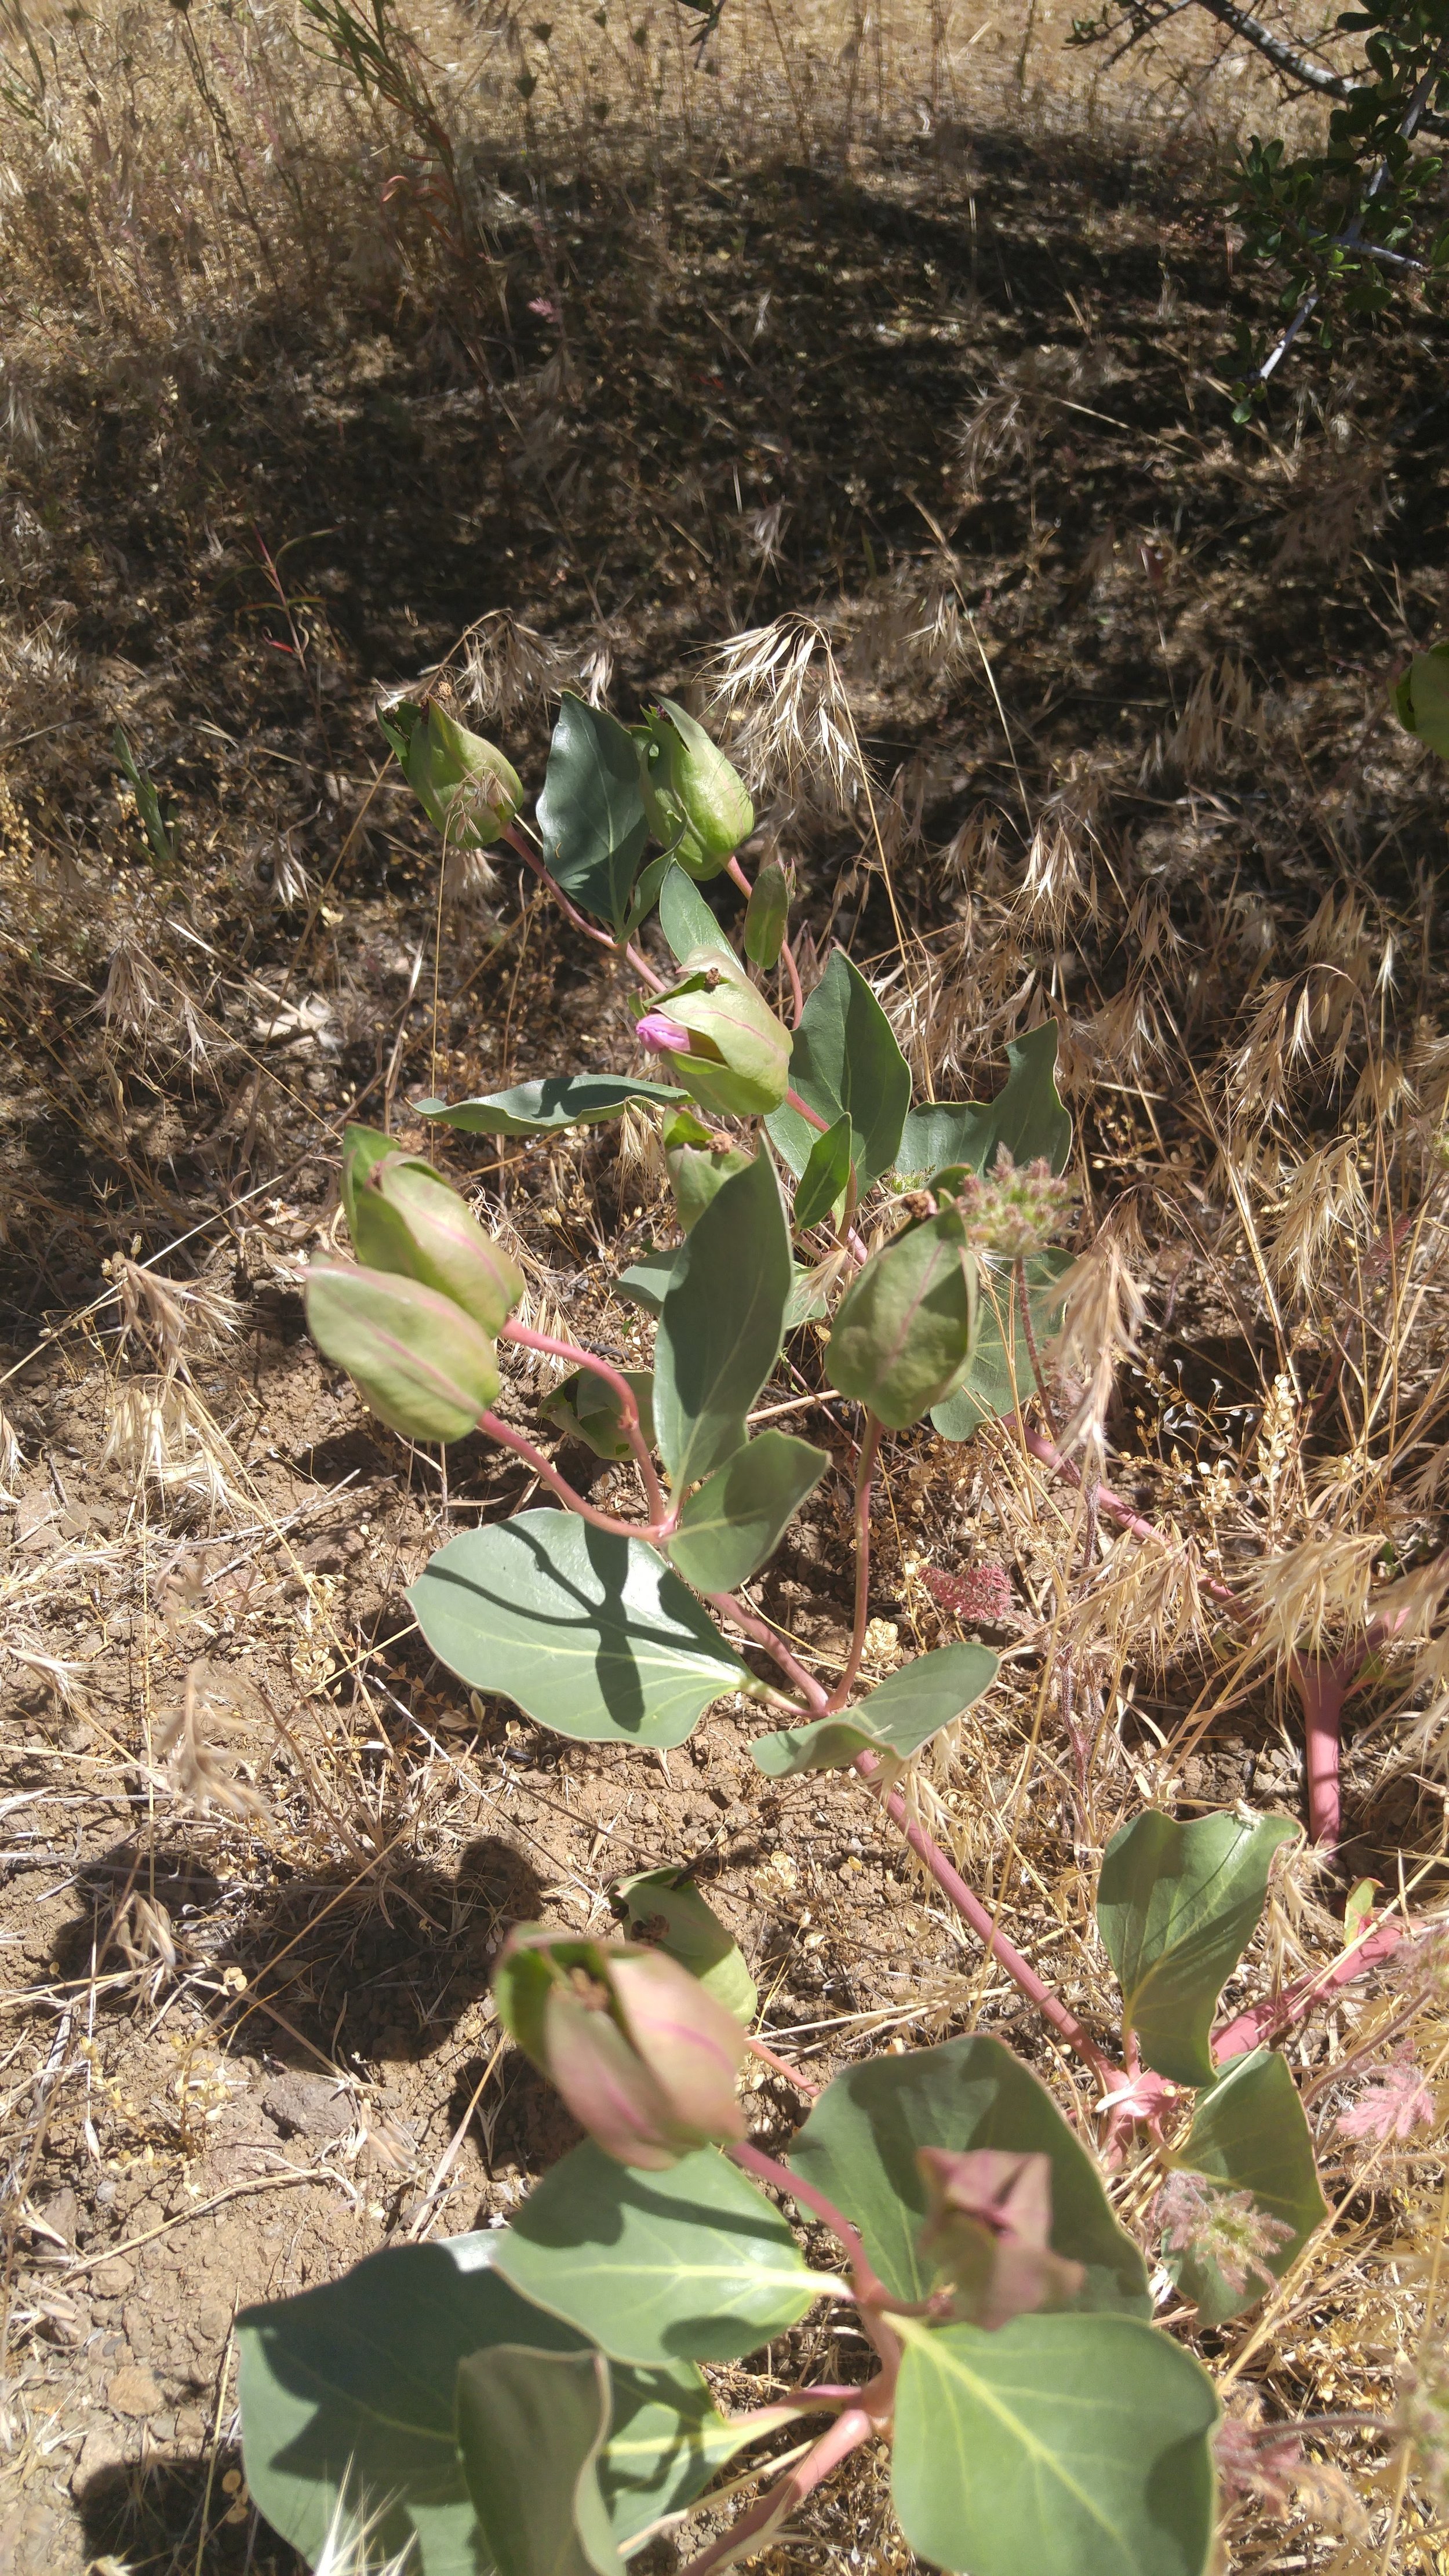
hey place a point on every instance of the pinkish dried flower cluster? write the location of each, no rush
(981, 1596)
(1229, 2229)
(1256, 2465)
(1013, 1210)
(1394, 2102)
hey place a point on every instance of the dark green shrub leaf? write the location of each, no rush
(898, 1716)
(588, 1633)
(351, 2387)
(542, 1108)
(1026, 1117)
(738, 1516)
(1176, 1906)
(767, 915)
(827, 1170)
(859, 2147)
(845, 1057)
(901, 1338)
(721, 1324)
(1249, 2134)
(1421, 700)
(591, 813)
(690, 2264)
(1059, 2445)
(665, 1907)
(586, 1406)
(685, 918)
(647, 1283)
(530, 2428)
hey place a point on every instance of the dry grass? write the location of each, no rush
(870, 384)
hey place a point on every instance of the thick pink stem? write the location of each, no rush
(1048, 1454)
(1322, 1688)
(1272, 2019)
(803, 1110)
(953, 1885)
(508, 1438)
(571, 912)
(864, 2279)
(763, 1635)
(846, 2434)
(624, 1397)
(792, 2074)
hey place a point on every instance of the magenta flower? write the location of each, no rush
(661, 1035)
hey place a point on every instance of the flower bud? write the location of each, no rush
(427, 1368)
(463, 783)
(988, 2231)
(667, 819)
(736, 1055)
(711, 793)
(405, 1217)
(643, 2057)
(363, 1148)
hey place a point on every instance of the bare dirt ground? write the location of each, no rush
(1118, 674)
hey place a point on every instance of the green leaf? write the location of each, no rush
(721, 1324)
(647, 1283)
(1000, 1376)
(902, 1335)
(530, 2427)
(586, 1406)
(591, 813)
(1026, 1117)
(1250, 2132)
(542, 1108)
(845, 1057)
(148, 804)
(767, 915)
(859, 2147)
(738, 1516)
(898, 1717)
(827, 1170)
(689, 2264)
(588, 1633)
(351, 2387)
(1056, 2446)
(665, 1906)
(685, 918)
(1176, 1906)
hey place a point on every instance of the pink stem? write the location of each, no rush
(846, 2434)
(547, 1475)
(1271, 2019)
(865, 2280)
(590, 929)
(624, 1396)
(953, 1885)
(763, 1635)
(1322, 1688)
(803, 1110)
(864, 1477)
(792, 2074)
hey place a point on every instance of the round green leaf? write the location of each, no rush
(1056, 2446)
(1176, 1906)
(898, 1717)
(692, 2263)
(1250, 2133)
(859, 2147)
(350, 2388)
(736, 1519)
(589, 1634)
(1422, 698)
(902, 1335)
(591, 813)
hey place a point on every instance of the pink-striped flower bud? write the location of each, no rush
(661, 1035)
(645, 2059)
